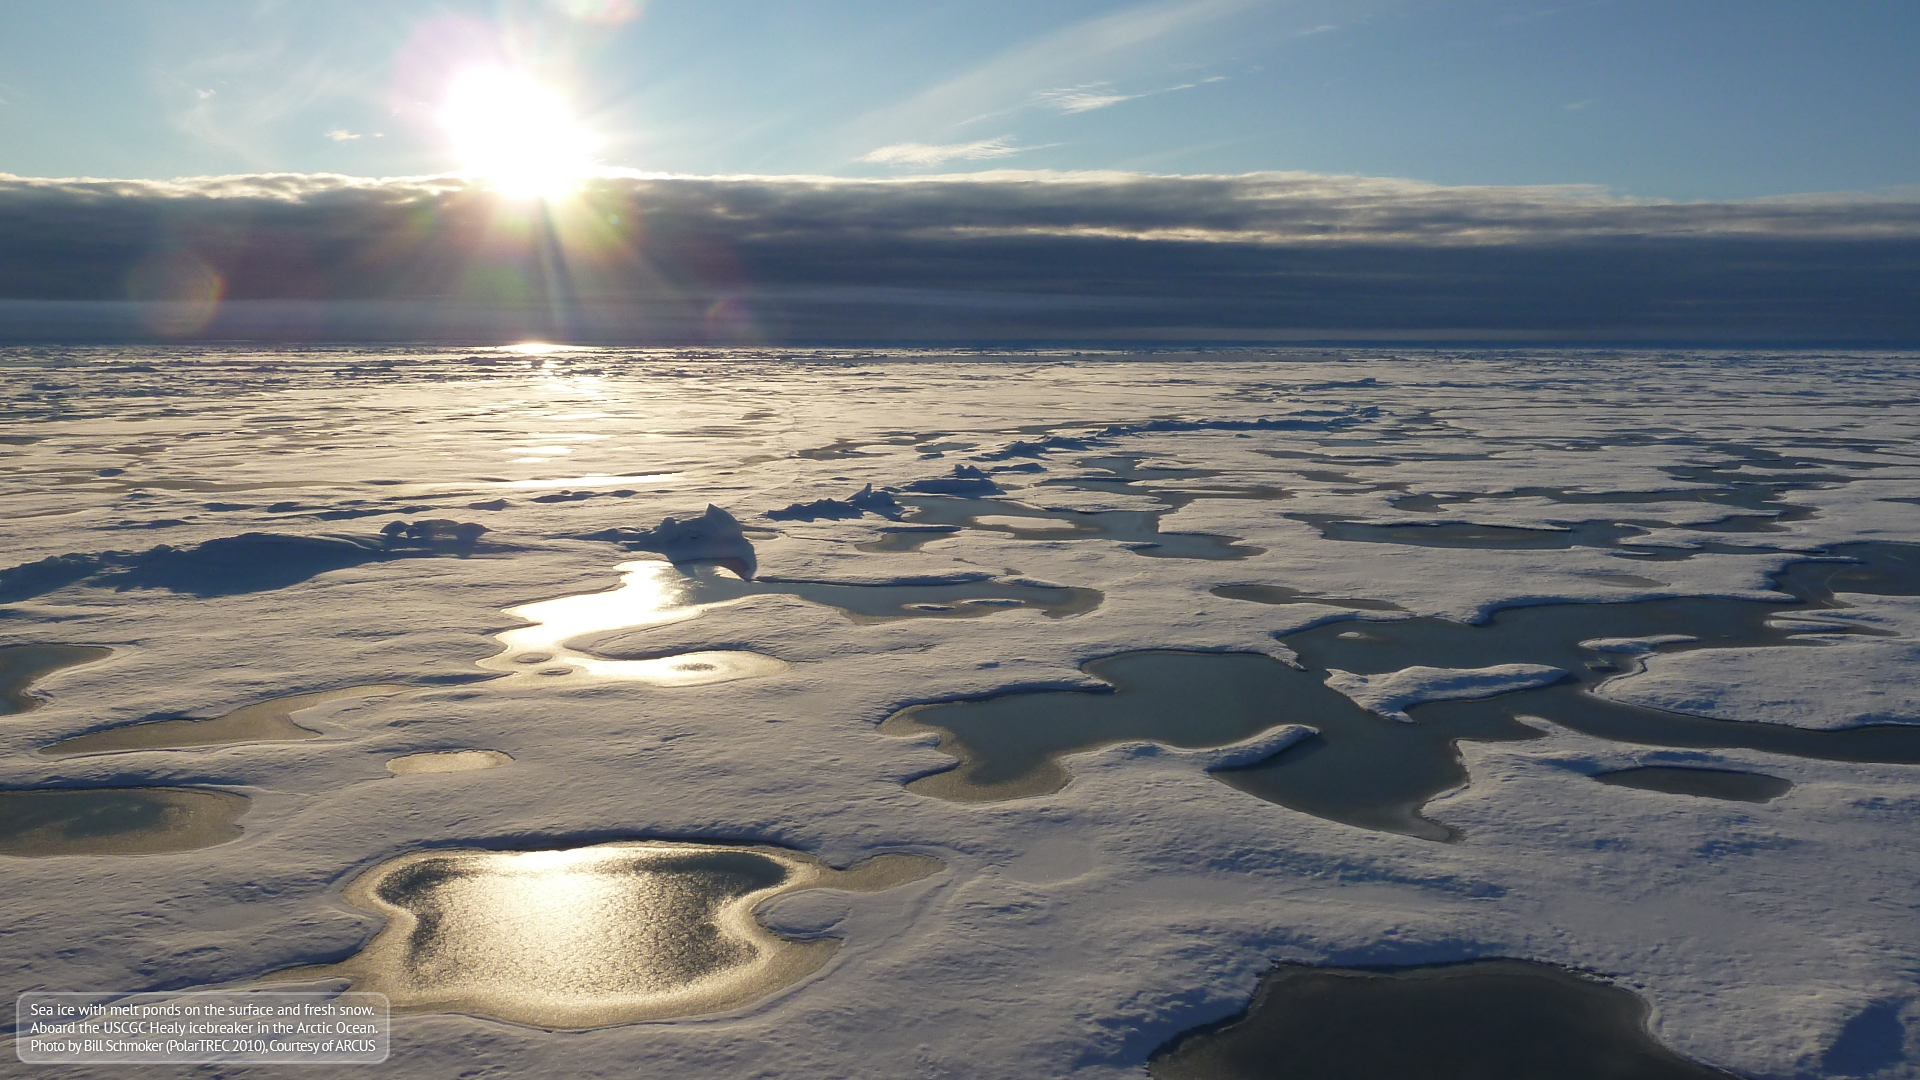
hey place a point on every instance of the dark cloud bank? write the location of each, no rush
(991, 258)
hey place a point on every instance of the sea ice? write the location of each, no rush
(1562, 497)
(715, 536)
(1391, 693)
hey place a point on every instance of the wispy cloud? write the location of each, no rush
(343, 135)
(924, 154)
(1071, 57)
(238, 86)
(1079, 99)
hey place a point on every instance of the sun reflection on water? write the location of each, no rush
(586, 937)
(576, 928)
(650, 594)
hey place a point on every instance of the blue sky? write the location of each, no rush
(1702, 99)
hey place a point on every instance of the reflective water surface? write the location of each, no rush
(1138, 530)
(1485, 1020)
(21, 665)
(1701, 783)
(591, 936)
(1564, 636)
(1279, 594)
(1358, 769)
(1009, 746)
(559, 641)
(1374, 773)
(116, 821)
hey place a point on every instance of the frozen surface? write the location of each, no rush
(1390, 694)
(1850, 682)
(242, 527)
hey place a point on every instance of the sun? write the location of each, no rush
(516, 133)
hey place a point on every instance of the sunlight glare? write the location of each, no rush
(516, 133)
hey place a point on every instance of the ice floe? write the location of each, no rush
(1391, 693)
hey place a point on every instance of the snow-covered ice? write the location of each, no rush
(1390, 695)
(223, 521)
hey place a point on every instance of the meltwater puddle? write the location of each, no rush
(1280, 594)
(592, 936)
(1592, 642)
(1138, 530)
(116, 821)
(265, 721)
(1728, 784)
(1370, 771)
(447, 761)
(22, 665)
(1473, 1021)
(1360, 769)
(657, 593)
(1613, 534)
(941, 512)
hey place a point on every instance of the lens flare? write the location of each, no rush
(181, 291)
(516, 133)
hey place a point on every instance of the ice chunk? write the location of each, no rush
(1635, 644)
(432, 532)
(1033, 448)
(714, 537)
(853, 506)
(965, 480)
(1389, 694)
(32, 579)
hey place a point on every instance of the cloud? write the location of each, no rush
(343, 135)
(922, 154)
(994, 256)
(1073, 55)
(242, 89)
(1080, 99)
